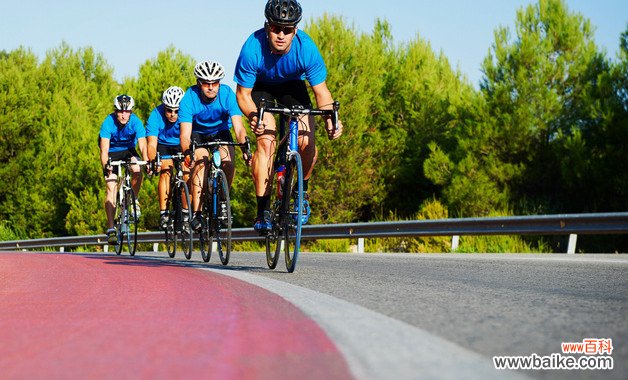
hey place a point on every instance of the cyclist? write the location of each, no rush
(207, 112)
(119, 134)
(162, 131)
(273, 64)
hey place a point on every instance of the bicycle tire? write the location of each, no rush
(204, 236)
(290, 220)
(220, 225)
(117, 223)
(131, 221)
(272, 251)
(183, 229)
(169, 235)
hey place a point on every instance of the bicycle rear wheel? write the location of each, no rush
(220, 221)
(290, 219)
(130, 221)
(183, 216)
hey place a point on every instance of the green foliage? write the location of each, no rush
(327, 245)
(7, 233)
(429, 210)
(170, 68)
(546, 133)
(354, 164)
(499, 244)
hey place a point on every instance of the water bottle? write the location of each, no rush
(281, 170)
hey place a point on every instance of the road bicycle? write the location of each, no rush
(178, 232)
(126, 218)
(287, 207)
(216, 218)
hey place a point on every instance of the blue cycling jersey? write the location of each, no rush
(122, 137)
(209, 118)
(158, 125)
(256, 63)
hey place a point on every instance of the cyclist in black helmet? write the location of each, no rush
(273, 64)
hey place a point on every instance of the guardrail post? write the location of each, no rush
(61, 249)
(455, 241)
(105, 248)
(571, 247)
(155, 247)
(360, 245)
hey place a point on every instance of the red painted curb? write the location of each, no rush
(94, 316)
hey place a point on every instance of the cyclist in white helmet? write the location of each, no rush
(163, 130)
(207, 112)
(119, 133)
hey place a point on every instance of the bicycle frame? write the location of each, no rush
(215, 201)
(123, 226)
(287, 215)
(178, 205)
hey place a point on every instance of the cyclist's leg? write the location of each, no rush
(111, 189)
(164, 183)
(263, 157)
(111, 183)
(198, 177)
(307, 145)
(227, 154)
(136, 173)
(295, 93)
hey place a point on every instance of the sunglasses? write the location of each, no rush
(206, 83)
(276, 29)
(169, 110)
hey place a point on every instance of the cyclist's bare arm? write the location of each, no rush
(240, 132)
(141, 143)
(152, 147)
(185, 139)
(185, 134)
(104, 151)
(249, 108)
(324, 100)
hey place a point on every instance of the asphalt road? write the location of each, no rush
(486, 304)
(414, 316)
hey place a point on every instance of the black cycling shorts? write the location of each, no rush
(123, 155)
(286, 94)
(224, 135)
(168, 150)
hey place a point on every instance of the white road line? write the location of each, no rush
(379, 347)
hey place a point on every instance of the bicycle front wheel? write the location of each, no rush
(290, 219)
(118, 222)
(130, 224)
(272, 250)
(220, 221)
(170, 236)
(204, 238)
(182, 220)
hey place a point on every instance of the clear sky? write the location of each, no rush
(130, 32)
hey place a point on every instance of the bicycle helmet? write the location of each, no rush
(283, 12)
(123, 103)
(209, 71)
(172, 97)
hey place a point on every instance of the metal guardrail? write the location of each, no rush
(561, 224)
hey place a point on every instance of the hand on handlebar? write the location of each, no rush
(333, 133)
(246, 151)
(107, 170)
(189, 161)
(256, 126)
